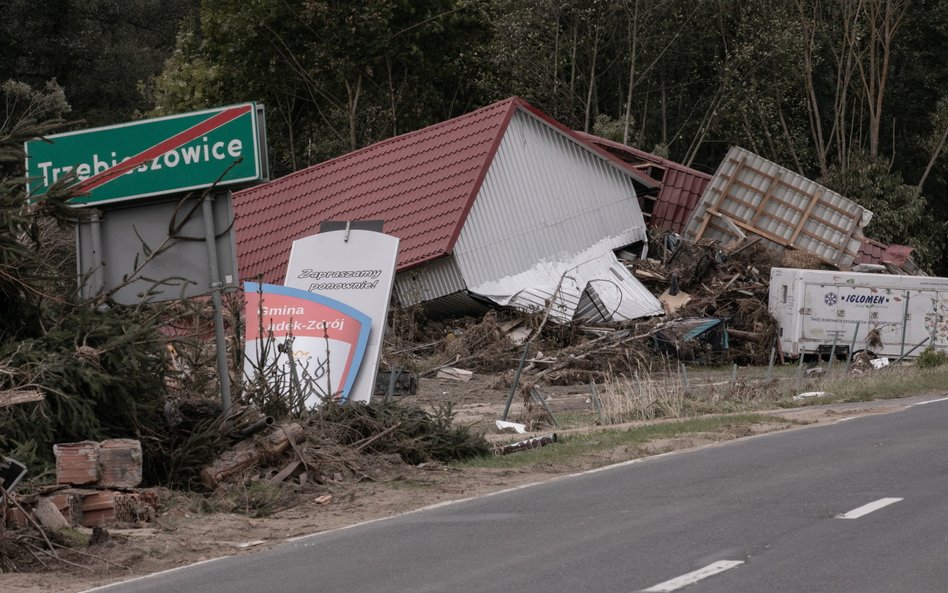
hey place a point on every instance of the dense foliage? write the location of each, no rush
(99, 370)
(835, 90)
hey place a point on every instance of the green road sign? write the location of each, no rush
(152, 157)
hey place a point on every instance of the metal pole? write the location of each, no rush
(734, 373)
(770, 365)
(516, 381)
(852, 345)
(597, 403)
(393, 372)
(908, 296)
(800, 367)
(914, 348)
(536, 395)
(210, 237)
(833, 350)
(98, 284)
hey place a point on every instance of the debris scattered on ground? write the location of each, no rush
(455, 374)
(527, 444)
(514, 427)
(811, 394)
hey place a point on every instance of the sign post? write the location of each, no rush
(151, 162)
(356, 267)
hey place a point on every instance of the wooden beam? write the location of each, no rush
(805, 216)
(756, 231)
(774, 179)
(720, 198)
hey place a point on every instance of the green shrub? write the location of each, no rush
(931, 358)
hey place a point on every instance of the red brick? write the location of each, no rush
(120, 463)
(77, 463)
(98, 508)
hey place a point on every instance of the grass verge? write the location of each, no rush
(569, 448)
(887, 384)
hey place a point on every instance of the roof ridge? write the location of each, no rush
(510, 101)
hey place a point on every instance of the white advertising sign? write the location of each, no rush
(355, 267)
(324, 339)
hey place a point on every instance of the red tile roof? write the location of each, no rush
(422, 184)
(876, 252)
(681, 186)
(870, 252)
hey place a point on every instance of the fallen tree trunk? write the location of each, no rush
(262, 447)
(743, 335)
(532, 443)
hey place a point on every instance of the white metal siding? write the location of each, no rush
(425, 283)
(544, 198)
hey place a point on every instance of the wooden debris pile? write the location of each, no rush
(331, 448)
(731, 285)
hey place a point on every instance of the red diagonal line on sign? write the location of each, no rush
(162, 147)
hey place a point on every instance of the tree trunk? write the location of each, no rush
(634, 34)
(940, 146)
(352, 104)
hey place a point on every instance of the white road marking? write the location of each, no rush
(154, 574)
(868, 508)
(693, 577)
(931, 401)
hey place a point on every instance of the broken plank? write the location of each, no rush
(285, 472)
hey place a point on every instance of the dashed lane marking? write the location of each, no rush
(693, 577)
(868, 508)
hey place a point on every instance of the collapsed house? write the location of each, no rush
(503, 204)
(680, 188)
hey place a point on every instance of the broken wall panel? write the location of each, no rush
(749, 194)
(560, 285)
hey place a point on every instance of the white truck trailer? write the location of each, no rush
(816, 310)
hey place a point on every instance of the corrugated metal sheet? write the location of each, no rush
(591, 307)
(429, 281)
(546, 197)
(561, 284)
(452, 305)
(681, 186)
(421, 184)
(761, 197)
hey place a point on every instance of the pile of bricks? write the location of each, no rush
(95, 481)
(89, 508)
(114, 463)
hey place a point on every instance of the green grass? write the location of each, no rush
(885, 384)
(572, 447)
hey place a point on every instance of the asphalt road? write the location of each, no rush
(764, 514)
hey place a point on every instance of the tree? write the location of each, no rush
(334, 76)
(103, 53)
(100, 370)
